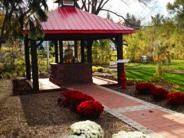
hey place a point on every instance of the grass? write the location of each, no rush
(145, 72)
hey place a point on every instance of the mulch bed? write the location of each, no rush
(132, 92)
(39, 116)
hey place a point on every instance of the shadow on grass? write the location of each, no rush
(139, 75)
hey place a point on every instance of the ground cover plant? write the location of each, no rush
(86, 129)
(175, 98)
(81, 103)
(159, 93)
(72, 98)
(90, 109)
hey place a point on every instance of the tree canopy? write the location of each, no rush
(178, 9)
(17, 15)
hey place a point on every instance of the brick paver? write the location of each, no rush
(106, 99)
(144, 116)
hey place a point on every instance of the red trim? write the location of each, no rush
(88, 32)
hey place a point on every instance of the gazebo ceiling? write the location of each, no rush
(71, 20)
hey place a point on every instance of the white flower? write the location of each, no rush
(135, 134)
(86, 129)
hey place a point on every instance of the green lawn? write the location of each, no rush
(145, 72)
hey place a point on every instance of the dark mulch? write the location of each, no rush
(39, 116)
(21, 86)
(132, 92)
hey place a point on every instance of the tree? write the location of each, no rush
(102, 52)
(157, 19)
(177, 8)
(96, 6)
(132, 21)
(20, 14)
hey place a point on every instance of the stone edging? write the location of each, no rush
(146, 105)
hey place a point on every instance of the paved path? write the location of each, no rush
(46, 85)
(146, 117)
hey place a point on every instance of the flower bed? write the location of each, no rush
(158, 94)
(86, 129)
(83, 104)
(175, 98)
(72, 99)
(144, 88)
(90, 129)
(90, 109)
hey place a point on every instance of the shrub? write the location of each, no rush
(1, 67)
(159, 93)
(90, 109)
(100, 69)
(72, 98)
(97, 69)
(144, 88)
(86, 129)
(94, 69)
(135, 134)
(175, 98)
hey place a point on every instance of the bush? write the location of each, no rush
(1, 67)
(100, 69)
(94, 69)
(72, 99)
(144, 88)
(135, 134)
(175, 98)
(90, 109)
(159, 93)
(86, 129)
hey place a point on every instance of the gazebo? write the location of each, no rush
(69, 23)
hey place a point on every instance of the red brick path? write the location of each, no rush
(164, 123)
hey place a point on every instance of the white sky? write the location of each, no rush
(141, 11)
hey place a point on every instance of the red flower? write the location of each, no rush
(175, 98)
(90, 109)
(72, 98)
(159, 93)
(144, 88)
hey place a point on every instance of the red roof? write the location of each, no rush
(71, 20)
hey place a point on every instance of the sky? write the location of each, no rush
(141, 11)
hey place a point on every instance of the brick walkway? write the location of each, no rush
(146, 117)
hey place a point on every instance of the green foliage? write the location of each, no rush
(20, 14)
(1, 68)
(132, 21)
(163, 38)
(97, 69)
(158, 73)
(177, 8)
(102, 52)
(12, 62)
(157, 19)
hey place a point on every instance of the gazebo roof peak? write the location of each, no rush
(67, 3)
